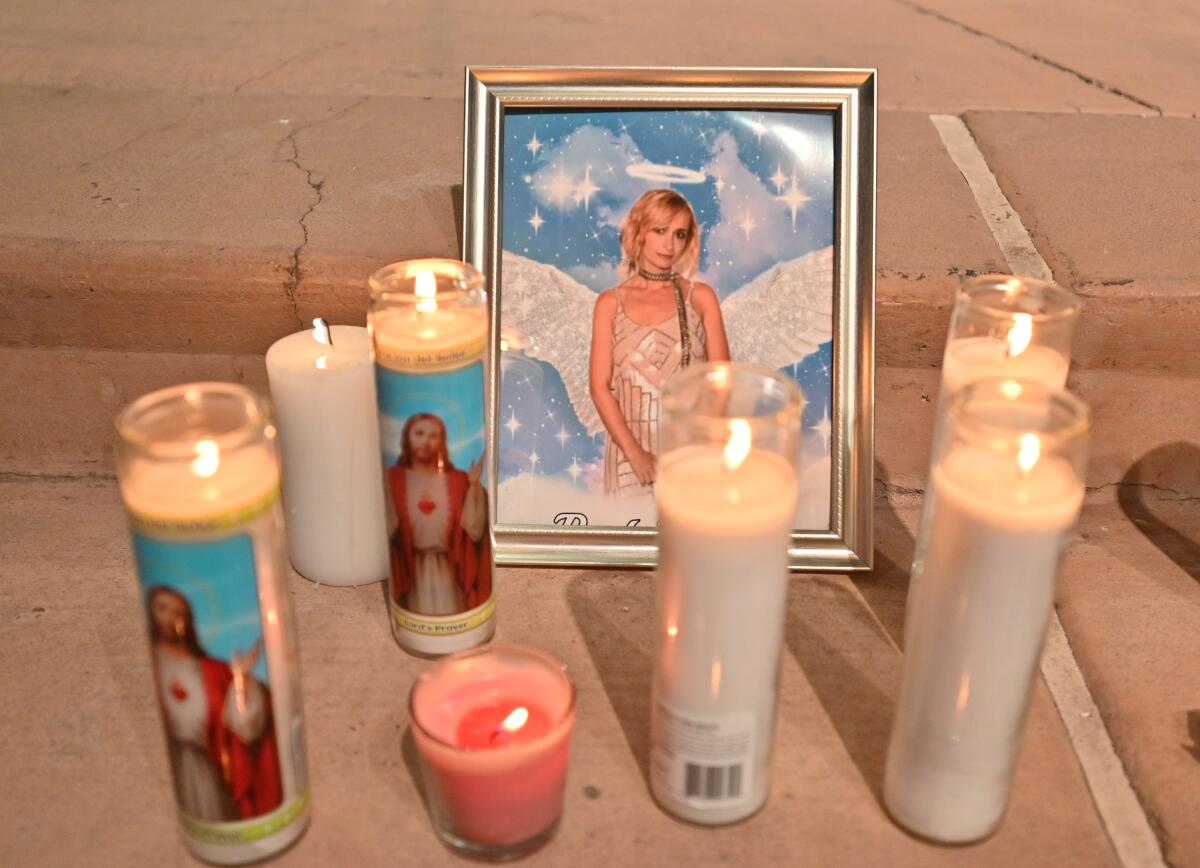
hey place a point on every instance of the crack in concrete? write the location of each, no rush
(1091, 81)
(1178, 496)
(294, 272)
(24, 476)
(307, 54)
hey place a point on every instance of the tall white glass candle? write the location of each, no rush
(1006, 487)
(726, 489)
(428, 322)
(323, 388)
(199, 475)
(1003, 326)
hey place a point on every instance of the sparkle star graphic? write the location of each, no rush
(574, 469)
(586, 189)
(534, 145)
(748, 225)
(562, 436)
(794, 198)
(779, 179)
(559, 188)
(533, 460)
(824, 429)
(535, 221)
(719, 183)
(512, 424)
(759, 128)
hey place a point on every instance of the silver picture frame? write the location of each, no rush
(849, 96)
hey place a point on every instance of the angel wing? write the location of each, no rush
(547, 314)
(784, 314)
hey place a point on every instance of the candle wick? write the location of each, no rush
(323, 328)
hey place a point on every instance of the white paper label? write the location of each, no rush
(704, 761)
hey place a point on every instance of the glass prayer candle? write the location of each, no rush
(726, 489)
(1005, 489)
(492, 728)
(199, 475)
(1005, 326)
(428, 323)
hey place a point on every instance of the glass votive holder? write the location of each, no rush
(492, 727)
(726, 488)
(1005, 489)
(1006, 326)
(428, 320)
(199, 473)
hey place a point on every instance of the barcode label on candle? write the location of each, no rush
(705, 761)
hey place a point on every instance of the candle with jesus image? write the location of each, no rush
(199, 476)
(428, 322)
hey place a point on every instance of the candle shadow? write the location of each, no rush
(852, 665)
(615, 616)
(885, 588)
(1164, 483)
(412, 762)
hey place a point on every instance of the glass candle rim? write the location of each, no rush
(481, 650)
(395, 281)
(257, 420)
(787, 414)
(1069, 304)
(1005, 438)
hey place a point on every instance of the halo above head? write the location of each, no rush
(662, 173)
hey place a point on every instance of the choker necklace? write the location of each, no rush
(685, 336)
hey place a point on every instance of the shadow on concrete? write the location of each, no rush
(1174, 470)
(408, 750)
(456, 202)
(1193, 721)
(846, 655)
(885, 587)
(620, 647)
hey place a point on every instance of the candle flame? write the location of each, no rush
(1020, 334)
(1011, 286)
(208, 458)
(672, 630)
(1031, 450)
(321, 361)
(738, 446)
(516, 719)
(321, 332)
(426, 290)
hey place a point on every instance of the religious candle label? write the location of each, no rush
(706, 761)
(237, 764)
(432, 440)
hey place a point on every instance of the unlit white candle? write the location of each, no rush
(324, 400)
(722, 594)
(975, 629)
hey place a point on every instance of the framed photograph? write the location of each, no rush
(633, 221)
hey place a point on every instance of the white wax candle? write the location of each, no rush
(722, 593)
(324, 400)
(978, 358)
(976, 625)
(443, 336)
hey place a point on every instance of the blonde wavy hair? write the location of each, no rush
(655, 208)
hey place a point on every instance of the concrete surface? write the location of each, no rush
(95, 789)
(186, 183)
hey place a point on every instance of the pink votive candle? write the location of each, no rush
(492, 726)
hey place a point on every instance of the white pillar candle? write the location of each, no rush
(199, 477)
(323, 388)
(994, 534)
(725, 513)
(982, 358)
